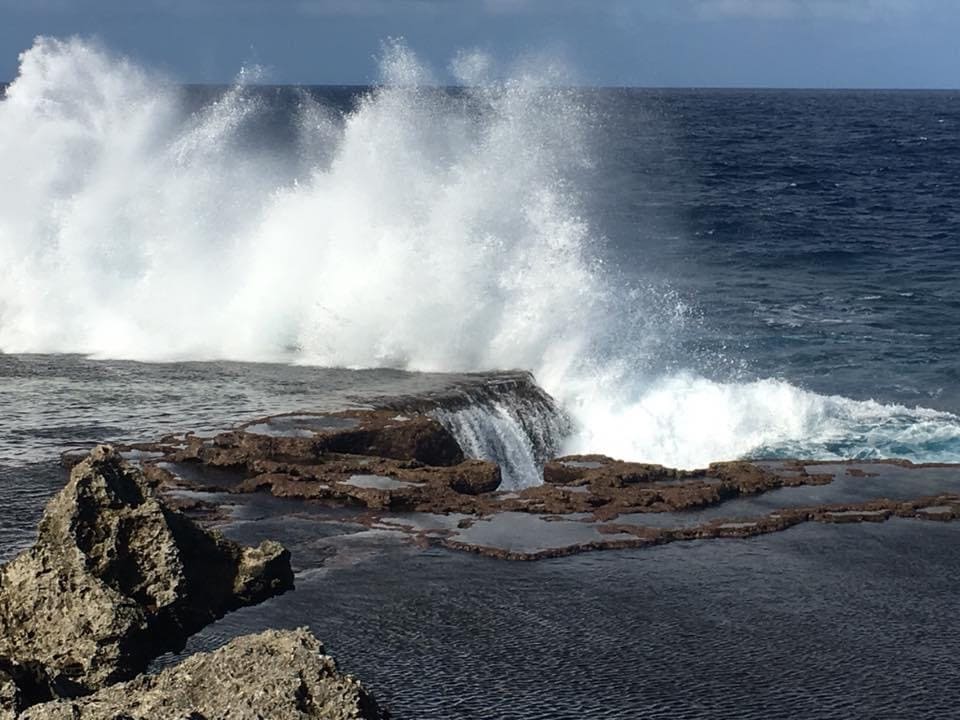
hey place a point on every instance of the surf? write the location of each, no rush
(420, 229)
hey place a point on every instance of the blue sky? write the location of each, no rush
(742, 43)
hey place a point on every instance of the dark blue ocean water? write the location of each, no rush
(807, 235)
(649, 254)
(815, 234)
(810, 237)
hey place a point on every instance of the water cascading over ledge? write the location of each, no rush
(506, 418)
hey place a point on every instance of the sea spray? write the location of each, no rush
(420, 229)
(438, 235)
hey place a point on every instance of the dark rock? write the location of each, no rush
(377, 483)
(517, 393)
(306, 437)
(116, 578)
(606, 471)
(612, 487)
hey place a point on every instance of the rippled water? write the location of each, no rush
(813, 235)
(818, 621)
(51, 403)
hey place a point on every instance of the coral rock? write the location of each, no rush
(281, 675)
(115, 579)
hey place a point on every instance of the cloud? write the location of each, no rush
(858, 10)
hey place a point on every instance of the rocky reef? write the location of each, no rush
(116, 578)
(380, 460)
(403, 471)
(381, 433)
(119, 575)
(282, 675)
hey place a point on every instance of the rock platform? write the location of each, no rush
(403, 472)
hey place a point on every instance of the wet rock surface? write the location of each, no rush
(282, 675)
(397, 470)
(305, 437)
(829, 619)
(115, 578)
(316, 457)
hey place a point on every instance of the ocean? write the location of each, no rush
(694, 275)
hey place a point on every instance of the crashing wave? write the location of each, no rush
(420, 229)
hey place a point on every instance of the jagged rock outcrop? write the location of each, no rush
(114, 579)
(276, 675)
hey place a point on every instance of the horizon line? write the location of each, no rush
(779, 88)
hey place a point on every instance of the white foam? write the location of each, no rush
(426, 237)
(422, 230)
(687, 421)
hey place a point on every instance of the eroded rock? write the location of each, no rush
(379, 484)
(592, 484)
(281, 675)
(116, 578)
(306, 437)
(290, 456)
(608, 487)
(10, 702)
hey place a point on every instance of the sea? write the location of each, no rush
(693, 275)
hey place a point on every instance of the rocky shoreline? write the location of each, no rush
(128, 563)
(274, 674)
(116, 578)
(405, 472)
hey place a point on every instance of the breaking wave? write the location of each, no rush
(420, 229)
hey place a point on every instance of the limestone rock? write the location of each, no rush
(281, 675)
(114, 579)
(306, 437)
(377, 483)
(10, 703)
(606, 471)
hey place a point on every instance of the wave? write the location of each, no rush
(420, 229)
(688, 421)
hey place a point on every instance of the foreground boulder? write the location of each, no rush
(115, 579)
(277, 675)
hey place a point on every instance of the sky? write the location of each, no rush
(672, 43)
